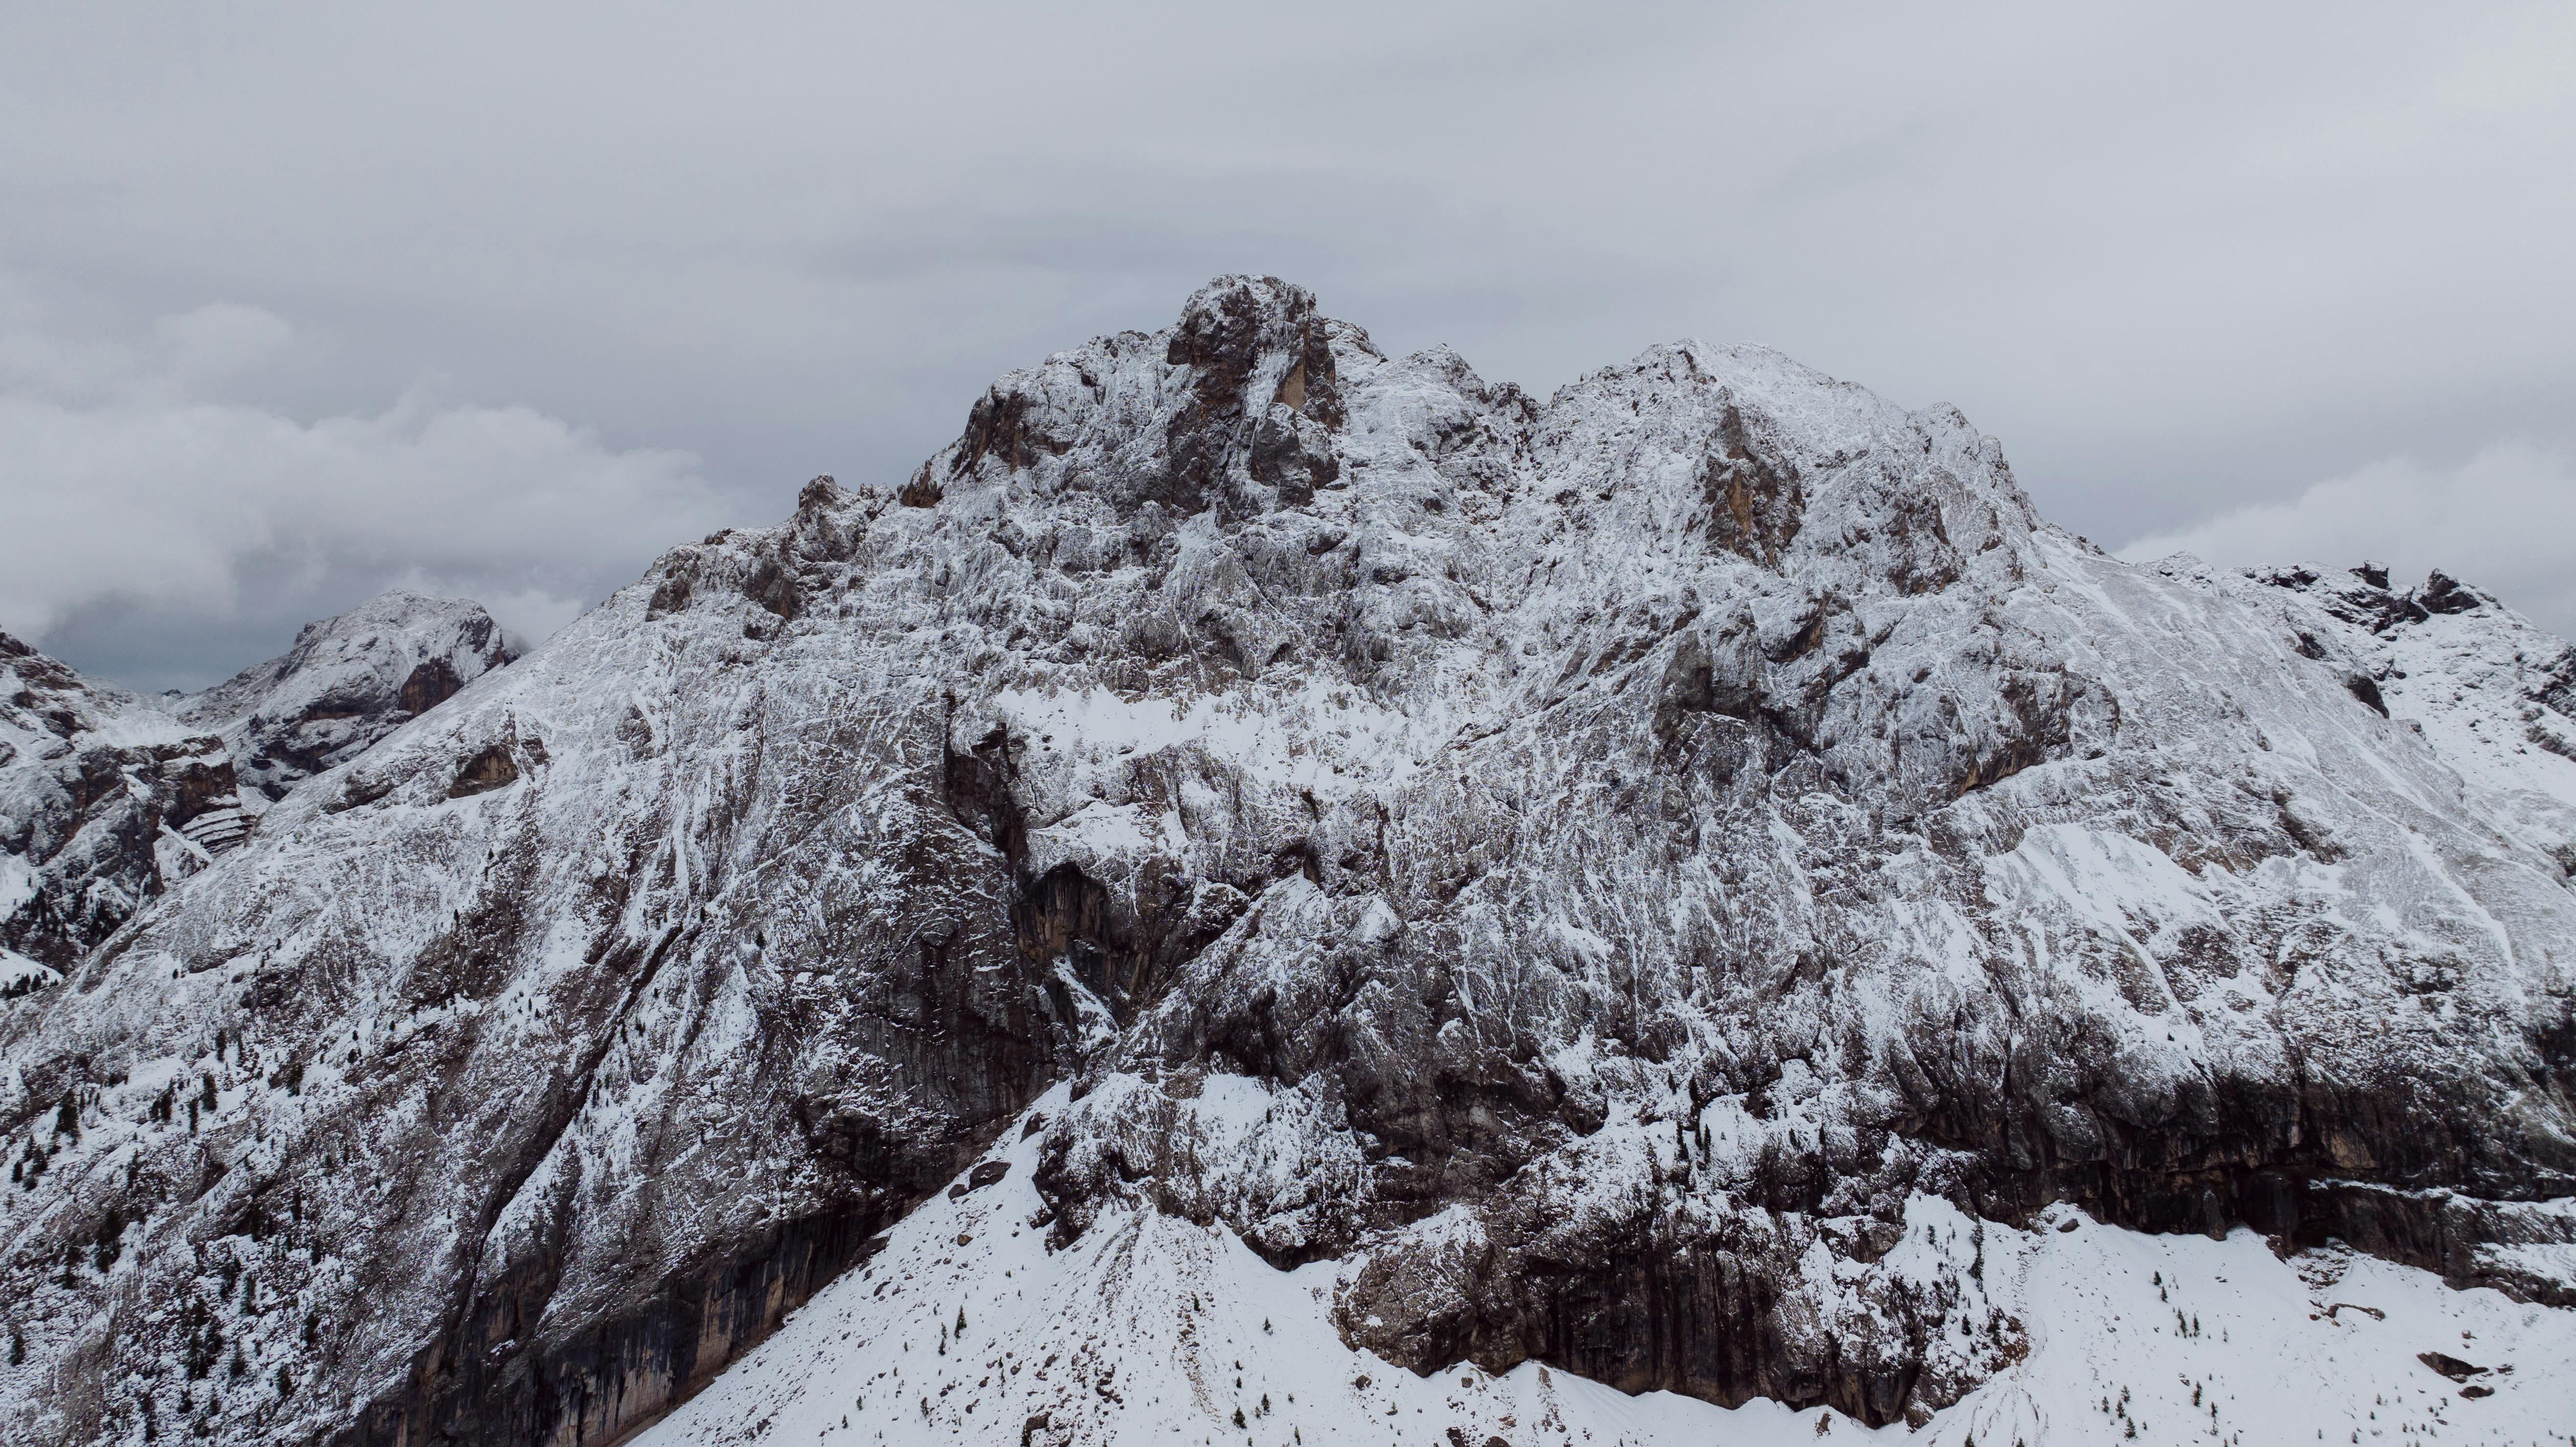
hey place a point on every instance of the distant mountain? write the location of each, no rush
(104, 800)
(346, 683)
(1274, 891)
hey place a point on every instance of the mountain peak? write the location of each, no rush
(105, 801)
(348, 681)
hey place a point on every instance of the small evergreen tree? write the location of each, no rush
(111, 1239)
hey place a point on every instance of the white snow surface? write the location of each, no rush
(19, 973)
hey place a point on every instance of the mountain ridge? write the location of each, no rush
(1613, 854)
(79, 856)
(347, 681)
(102, 799)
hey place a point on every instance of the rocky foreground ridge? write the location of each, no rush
(1606, 854)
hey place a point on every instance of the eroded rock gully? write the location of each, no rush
(1626, 845)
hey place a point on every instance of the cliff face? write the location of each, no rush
(347, 682)
(1584, 865)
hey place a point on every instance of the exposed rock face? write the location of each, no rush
(346, 683)
(104, 801)
(1631, 843)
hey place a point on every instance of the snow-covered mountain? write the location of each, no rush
(346, 683)
(107, 798)
(1686, 884)
(103, 800)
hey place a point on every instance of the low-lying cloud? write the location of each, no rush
(2500, 521)
(133, 497)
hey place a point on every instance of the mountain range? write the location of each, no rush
(1675, 908)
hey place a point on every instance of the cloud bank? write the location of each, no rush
(2501, 520)
(131, 494)
(2181, 259)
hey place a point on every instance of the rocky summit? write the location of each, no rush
(346, 683)
(1685, 886)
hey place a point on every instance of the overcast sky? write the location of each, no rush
(299, 303)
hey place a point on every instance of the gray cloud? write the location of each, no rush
(173, 531)
(2182, 259)
(2497, 517)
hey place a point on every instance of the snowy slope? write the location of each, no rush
(1155, 1329)
(2494, 695)
(104, 801)
(1614, 882)
(347, 682)
(107, 798)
